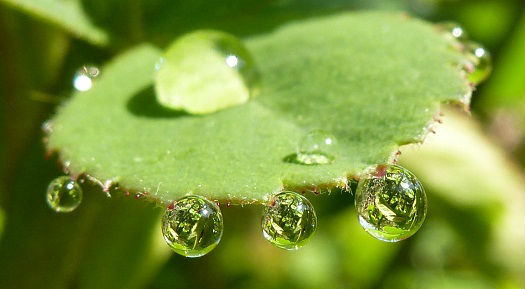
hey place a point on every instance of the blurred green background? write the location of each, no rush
(472, 169)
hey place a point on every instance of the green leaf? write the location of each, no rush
(374, 80)
(68, 15)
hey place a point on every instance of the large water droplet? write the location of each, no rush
(193, 226)
(391, 203)
(63, 194)
(84, 77)
(316, 147)
(205, 71)
(289, 221)
(454, 30)
(481, 60)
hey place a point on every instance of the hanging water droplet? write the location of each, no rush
(391, 203)
(316, 147)
(454, 30)
(193, 227)
(206, 71)
(159, 63)
(47, 127)
(289, 221)
(481, 60)
(84, 77)
(63, 194)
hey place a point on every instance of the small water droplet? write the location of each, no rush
(289, 221)
(63, 194)
(159, 63)
(84, 77)
(47, 127)
(193, 227)
(481, 60)
(316, 147)
(206, 71)
(454, 30)
(391, 203)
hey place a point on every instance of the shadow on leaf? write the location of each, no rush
(292, 159)
(145, 104)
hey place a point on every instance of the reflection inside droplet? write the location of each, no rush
(192, 226)
(289, 221)
(63, 194)
(391, 203)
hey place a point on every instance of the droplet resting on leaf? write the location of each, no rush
(454, 30)
(205, 71)
(391, 203)
(481, 60)
(317, 147)
(478, 61)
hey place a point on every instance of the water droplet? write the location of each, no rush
(47, 127)
(159, 63)
(84, 77)
(454, 30)
(206, 71)
(63, 194)
(316, 147)
(481, 60)
(193, 227)
(289, 221)
(391, 203)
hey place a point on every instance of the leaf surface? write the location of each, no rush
(375, 80)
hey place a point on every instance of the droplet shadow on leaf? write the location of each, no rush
(145, 104)
(292, 159)
(295, 159)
